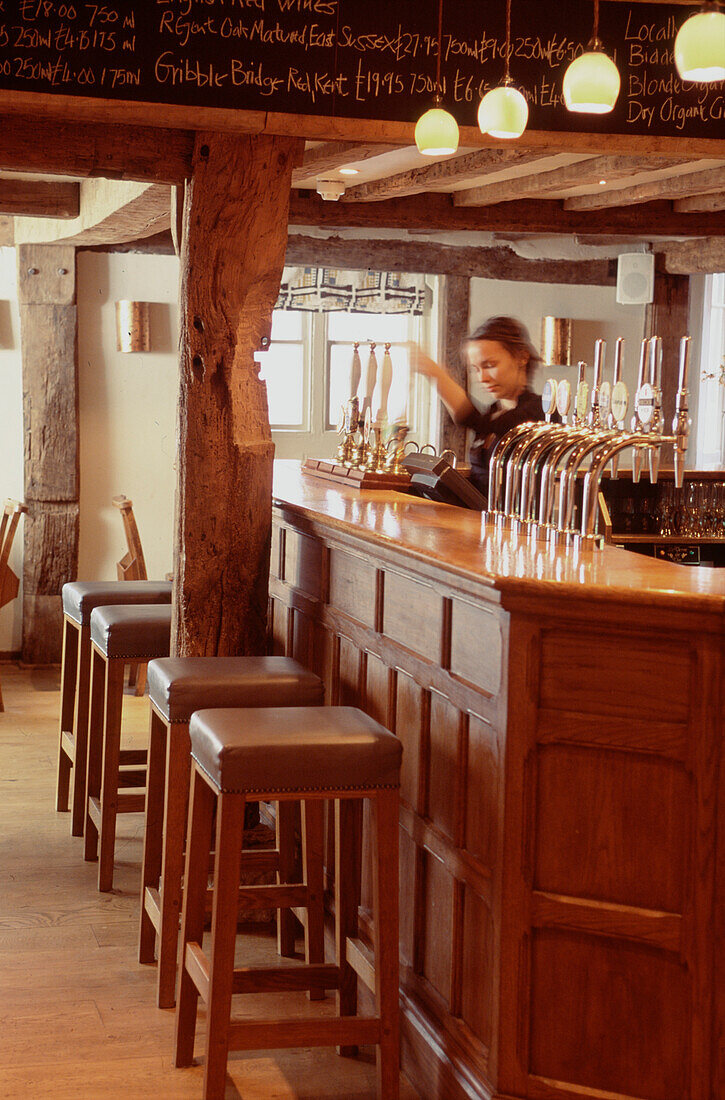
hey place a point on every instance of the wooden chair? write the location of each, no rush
(9, 582)
(131, 567)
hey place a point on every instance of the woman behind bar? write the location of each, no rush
(502, 355)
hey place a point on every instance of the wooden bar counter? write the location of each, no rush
(563, 802)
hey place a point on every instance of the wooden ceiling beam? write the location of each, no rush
(38, 199)
(705, 256)
(435, 213)
(438, 259)
(580, 174)
(701, 203)
(442, 174)
(87, 149)
(673, 187)
(333, 155)
(112, 211)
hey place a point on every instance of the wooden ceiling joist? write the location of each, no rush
(87, 149)
(673, 187)
(701, 203)
(112, 211)
(583, 172)
(441, 174)
(439, 259)
(333, 155)
(39, 199)
(705, 256)
(436, 213)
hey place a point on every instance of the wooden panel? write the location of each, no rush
(377, 677)
(585, 672)
(303, 566)
(349, 673)
(352, 586)
(413, 615)
(438, 934)
(608, 1016)
(477, 967)
(445, 788)
(302, 629)
(411, 727)
(482, 791)
(276, 569)
(408, 859)
(277, 626)
(633, 849)
(476, 646)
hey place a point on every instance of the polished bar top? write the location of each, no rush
(456, 539)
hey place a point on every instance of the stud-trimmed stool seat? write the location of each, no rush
(79, 600)
(178, 686)
(119, 635)
(313, 753)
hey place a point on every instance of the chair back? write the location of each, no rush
(132, 566)
(9, 583)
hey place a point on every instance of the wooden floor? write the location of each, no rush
(77, 1012)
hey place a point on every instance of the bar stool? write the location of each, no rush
(310, 753)
(119, 636)
(79, 600)
(177, 687)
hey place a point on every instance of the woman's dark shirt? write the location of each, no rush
(490, 425)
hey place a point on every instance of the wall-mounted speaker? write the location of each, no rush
(635, 278)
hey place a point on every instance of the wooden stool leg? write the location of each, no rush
(196, 874)
(385, 941)
(313, 831)
(95, 750)
(178, 767)
(229, 840)
(81, 719)
(68, 674)
(348, 862)
(153, 831)
(141, 673)
(111, 765)
(285, 829)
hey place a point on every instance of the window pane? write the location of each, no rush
(287, 324)
(283, 371)
(367, 326)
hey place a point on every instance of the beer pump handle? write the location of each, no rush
(580, 400)
(681, 421)
(355, 370)
(368, 381)
(636, 422)
(655, 378)
(616, 379)
(385, 379)
(600, 351)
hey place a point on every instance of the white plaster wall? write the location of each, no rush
(127, 411)
(593, 307)
(11, 434)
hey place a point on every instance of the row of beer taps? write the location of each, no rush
(531, 459)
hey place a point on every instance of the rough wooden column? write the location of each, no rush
(455, 309)
(668, 316)
(46, 296)
(233, 245)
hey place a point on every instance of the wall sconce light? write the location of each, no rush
(132, 326)
(591, 83)
(556, 341)
(700, 45)
(436, 131)
(503, 112)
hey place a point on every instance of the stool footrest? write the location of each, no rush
(277, 1033)
(132, 777)
(262, 979)
(133, 756)
(68, 744)
(267, 897)
(152, 905)
(131, 803)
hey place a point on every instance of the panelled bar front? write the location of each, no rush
(561, 795)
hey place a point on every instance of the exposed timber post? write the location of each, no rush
(48, 322)
(232, 252)
(668, 316)
(454, 313)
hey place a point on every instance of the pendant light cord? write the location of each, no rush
(508, 40)
(595, 28)
(440, 49)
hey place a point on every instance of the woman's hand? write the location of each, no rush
(453, 396)
(422, 363)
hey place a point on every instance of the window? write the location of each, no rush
(343, 329)
(710, 450)
(285, 369)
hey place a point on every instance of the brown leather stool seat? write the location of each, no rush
(313, 753)
(119, 635)
(79, 600)
(177, 687)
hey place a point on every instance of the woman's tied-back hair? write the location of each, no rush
(513, 335)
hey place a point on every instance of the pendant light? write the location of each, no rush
(436, 131)
(503, 112)
(591, 83)
(700, 45)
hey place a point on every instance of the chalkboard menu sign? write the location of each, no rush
(373, 59)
